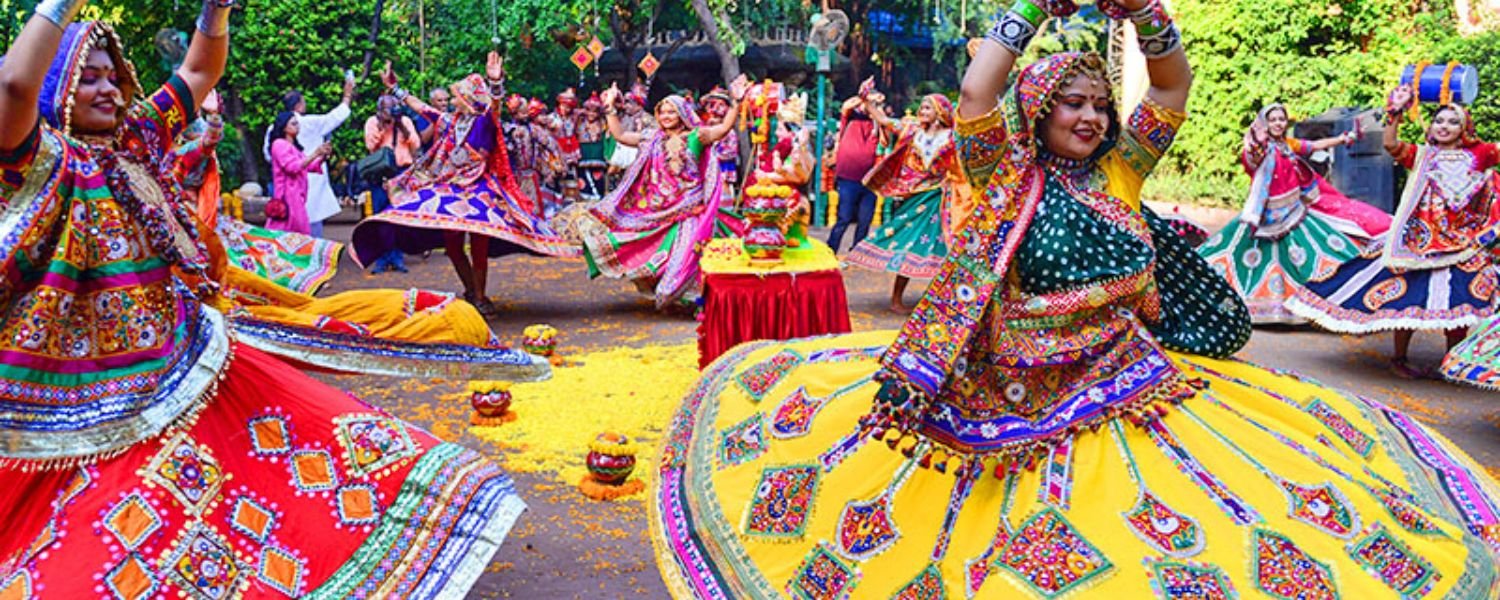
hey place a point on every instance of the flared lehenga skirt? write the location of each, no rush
(911, 242)
(415, 223)
(1261, 482)
(281, 486)
(301, 263)
(1476, 360)
(1267, 272)
(1365, 296)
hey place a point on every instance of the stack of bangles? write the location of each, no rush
(1157, 33)
(1154, 28)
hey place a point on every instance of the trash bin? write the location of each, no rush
(1362, 171)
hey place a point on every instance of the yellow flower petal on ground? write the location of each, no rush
(630, 390)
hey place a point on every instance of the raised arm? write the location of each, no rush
(392, 82)
(25, 67)
(612, 119)
(1343, 139)
(709, 134)
(993, 60)
(879, 116)
(209, 50)
(1396, 104)
(1161, 42)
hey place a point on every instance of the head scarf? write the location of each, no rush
(594, 102)
(1034, 95)
(685, 110)
(568, 97)
(472, 92)
(61, 83)
(515, 103)
(1466, 136)
(637, 94)
(535, 108)
(1262, 119)
(943, 107)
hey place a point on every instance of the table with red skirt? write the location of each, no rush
(801, 297)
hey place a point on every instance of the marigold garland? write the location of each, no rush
(630, 390)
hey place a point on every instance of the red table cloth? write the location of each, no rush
(739, 308)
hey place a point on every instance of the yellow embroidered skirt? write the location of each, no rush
(414, 333)
(1263, 482)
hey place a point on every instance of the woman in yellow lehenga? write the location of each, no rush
(1060, 413)
(411, 333)
(406, 333)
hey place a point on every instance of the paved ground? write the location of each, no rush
(570, 547)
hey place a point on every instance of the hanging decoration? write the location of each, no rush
(582, 58)
(596, 47)
(649, 65)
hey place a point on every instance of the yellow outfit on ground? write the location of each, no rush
(1049, 422)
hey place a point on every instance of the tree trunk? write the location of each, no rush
(625, 46)
(234, 111)
(374, 37)
(729, 64)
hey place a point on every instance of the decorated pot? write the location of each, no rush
(611, 458)
(539, 339)
(490, 403)
(765, 244)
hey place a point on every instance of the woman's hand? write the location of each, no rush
(611, 96)
(1260, 132)
(494, 66)
(1399, 99)
(388, 77)
(739, 87)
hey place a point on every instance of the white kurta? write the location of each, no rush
(322, 203)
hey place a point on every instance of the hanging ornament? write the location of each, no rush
(596, 47)
(582, 58)
(649, 65)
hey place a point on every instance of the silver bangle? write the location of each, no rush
(1162, 43)
(60, 12)
(214, 20)
(399, 93)
(1013, 32)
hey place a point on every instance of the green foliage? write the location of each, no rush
(1312, 57)
(1479, 51)
(302, 44)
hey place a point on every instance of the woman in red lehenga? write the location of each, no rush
(145, 450)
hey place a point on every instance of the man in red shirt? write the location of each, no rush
(859, 135)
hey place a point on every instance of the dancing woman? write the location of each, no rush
(462, 188)
(1058, 414)
(146, 450)
(649, 228)
(1295, 226)
(1430, 273)
(924, 177)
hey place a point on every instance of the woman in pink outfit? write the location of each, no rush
(289, 168)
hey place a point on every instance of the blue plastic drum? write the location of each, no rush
(1463, 84)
